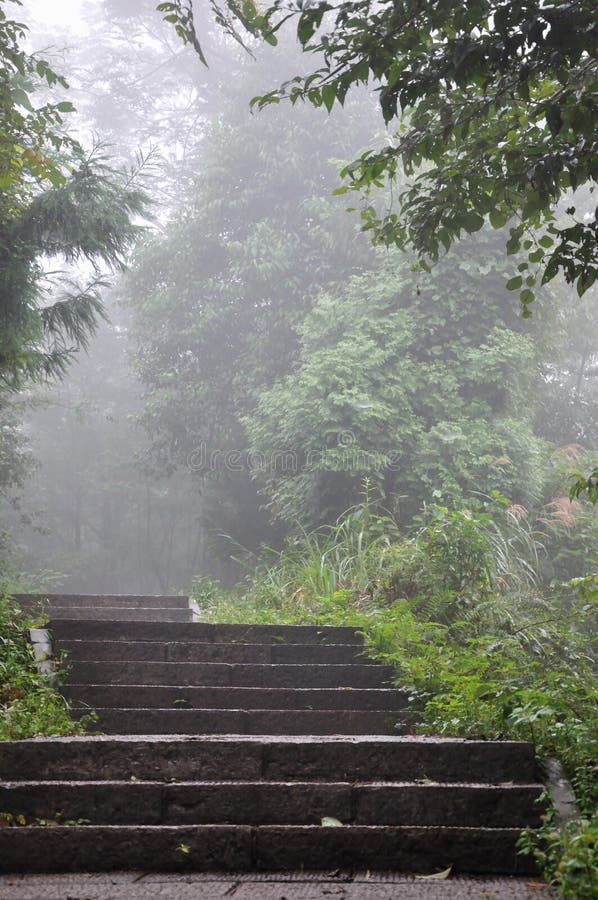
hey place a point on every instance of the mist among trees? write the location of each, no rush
(260, 357)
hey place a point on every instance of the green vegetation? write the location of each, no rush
(458, 605)
(56, 202)
(30, 705)
(494, 105)
(567, 855)
(494, 111)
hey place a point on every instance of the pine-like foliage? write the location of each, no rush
(45, 319)
(56, 205)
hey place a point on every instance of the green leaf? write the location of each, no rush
(585, 281)
(498, 218)
(308, 23)
(554, 119)
(21, 98)
(527, 296)
(469, 221)
(329, 96)
(513, 284)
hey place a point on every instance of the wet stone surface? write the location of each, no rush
(299, 886)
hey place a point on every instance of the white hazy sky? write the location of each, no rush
(60, 13)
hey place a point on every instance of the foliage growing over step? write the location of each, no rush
(30, 705)
(566, 855)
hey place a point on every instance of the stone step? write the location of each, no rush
(234, 674)
(269, 848)
(115, 614)
(199, 651)
(302, 758)
(65, 629)
(97, 601)
(181, 697)
(275, 803)
(241, 721)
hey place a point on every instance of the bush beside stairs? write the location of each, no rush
(247, 748)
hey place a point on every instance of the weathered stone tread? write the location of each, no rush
(158, 697)
(273, 848)
(358, 675)
(241, 721)
(68, 629)
(210, 651)
(277, 758)
(257, 803)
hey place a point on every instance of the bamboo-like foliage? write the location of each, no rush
(56, 204)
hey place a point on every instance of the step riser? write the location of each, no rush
(234, 675)
(153, 651)
(273, 848)
(276, 804)
(239, 721)
(91, 601)
(120, 614)
(65, 629)
(205, 759)
(234, 698)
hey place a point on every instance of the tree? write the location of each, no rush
(498, 111)
(57, 203)
(410, 385)
(497, 105)
(218, 296)
(137, 86)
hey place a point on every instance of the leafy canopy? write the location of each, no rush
(496, 106)
(410, 385)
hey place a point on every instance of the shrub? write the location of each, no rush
(30, 705)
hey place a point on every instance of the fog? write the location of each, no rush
(261, 358)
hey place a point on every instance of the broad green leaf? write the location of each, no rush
(498, 218)
(329, 96)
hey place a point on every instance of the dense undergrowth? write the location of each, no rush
(485, 646)
(30, 705)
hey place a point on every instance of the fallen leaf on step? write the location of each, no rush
(437, 876)
(331, 822)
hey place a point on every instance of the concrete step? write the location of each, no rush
(241, 721)
(97, 601)
(115, 614)
(233, 674)
(275, 803)
(200, 651)
(271, 848)
(65, 629)
(341, 884)
(302, 758)
(181, 697)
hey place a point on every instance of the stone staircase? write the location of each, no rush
(249, 747)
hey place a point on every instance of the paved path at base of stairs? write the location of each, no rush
(300, 886)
